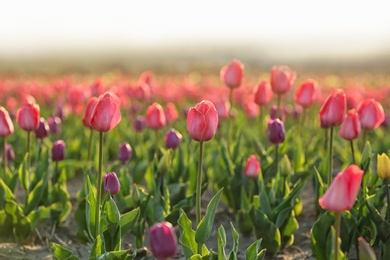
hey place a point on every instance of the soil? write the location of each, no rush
(38, 247)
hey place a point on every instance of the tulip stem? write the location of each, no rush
(90, 144)
(302, 122)
(199, 192)
(330, 170)
(28, 150)
(337, 227)
(353, 152)
(5, 157)
(278, 109)
(99, 187)
(386, 182)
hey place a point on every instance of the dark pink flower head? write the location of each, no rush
(333, 110)
(106, 114)
(350, 128)
(28, 116)
(252, 167)
(371, 114)
(6, 125)
(276, 133)
(88, 111)
(263, 93)
(306, 93)
(155, 116)
(163, 240)
(232, 74)
(202, 121)
(111, 183)
(282, 78)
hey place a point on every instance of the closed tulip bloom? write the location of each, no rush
(263, 93)
(42, 130)
(170, 113)
(58, 151)
(350, 128)
(306, 93)
(163, 240)
(155, 116)
(142, 91)
(371, 114)
(232, 74)
(333, 110)
(223, 108)
(10, 153)
(111, 183)
(106, 114)
(88, 111)
(276, 133)
(172, 138)
(252, 110)
(125, 152)
(139, 124)
(252, 167)
(282, 78)
(383, 166)
(342, 192)
(28, 116)
(54, 123)
(6, 125)
(202, 121)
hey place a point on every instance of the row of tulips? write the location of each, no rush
(161, 184)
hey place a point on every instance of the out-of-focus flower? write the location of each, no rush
(263, 93)
(172, 138)
(88, 111)
(10, 152)
(155, 117)
(6, 125)
(125, 151)
(342, 192)
(141, 92)
(333, 110)
(163, 240)
(223, 108)
(371, 114)
(139, 124)
(252, 167)
(28, 116)
(111, 183)
(306, 93)
(276, 133)
(282, 78)
(252, 110)
(202, 121)
(106, 114)
(58, 151)
(232, 74)
(350, 128)
(54, 123)
(42, 130)
(170, 113)
(383, 165)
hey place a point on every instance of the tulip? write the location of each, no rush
(282, 78)
(333, 110)
(54, 124)
(42, 130)
(232, 74)
(58, 151)
(6, 125)
(111, 183)
(306, 93)
(106, 114)
(125, 152)
(142, 91)
(163, 241)
(371, 114)
(263, 93)
(172, 139)
(252, 110)
(88, 111)
(155, 117)
(28, 116)
(10, 153)
(170, 113)
(140, 124)
(223, 108)
(276, 133)
(350, 128)
(202, 121)
(383, 166)
(252, 167)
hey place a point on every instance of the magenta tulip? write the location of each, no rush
(106, 114)
(202, 121)
(125, 152)
(58, 151)
(111, 183)
(163, 241)
(276, 133)
(232, 74)
(172, 139)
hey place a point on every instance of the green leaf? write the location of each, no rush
(385, 249)
(5, 193)
(61, 253)
(90, 208)
(221, 243)
(35, 196)
(319, 236)
(23, 174)
(252, 252)
(206, 223)
(196, 257)
(263, 199)
(116, 255)
(97, 247)
(128, 221)
(235, 235)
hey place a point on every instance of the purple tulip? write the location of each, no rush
(10, 152)
(172, 139)
(140, 124)
(54, 124)
(58, 151)
(111, 183)
(276, 131)
(125, 151)
(163, 241)
(42, 130)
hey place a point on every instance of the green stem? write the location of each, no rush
(5, 156)
(386, 181)
(90, 144)
(352, 152)
(337, 227)
(99, 186)
(302, 122)
(330, 170)
(365, 134)
(230, 118)
(199, 192)
(28, 150)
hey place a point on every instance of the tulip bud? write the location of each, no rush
(42, 130)
(371, 114)
(232, 74)
(28, 116)
(350, 128)
(10, 152)
(58, 151)
(125, 152)
(383, 166)
(155, 117)
(282, 78)
(365, 250)
(140, 124)
(202, 121)
(333, 110)
(263, 93)
(223, 108)
(170, 113)
(172, 139)
(252, 167)
(6, 125)
(88, 111)
(306, 93)
(106, 114)
(111, 183)
(276, 132)
(163, 241)
(252, 110)
(54, 124)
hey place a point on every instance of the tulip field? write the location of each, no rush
(228, 164)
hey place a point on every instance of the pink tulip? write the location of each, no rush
(163, 240)
(333, 110)
(371, 114)
(170, 113)
(88, 111)
(282, 78)
(223, 108)
(263, 93)
(155, 116)
(111, 183)
(252, 167)
(28, 116)
(106, 114)
(342, 192)
(6, 125)
(350, 128)
(202, 121)
(232, 74)
(252, 110)
(306, 93)
(141, 92)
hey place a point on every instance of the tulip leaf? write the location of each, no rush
(23, 174)
(235, 235)
(385, 249)
(5, 193)
(252, 252)
(61, 253)
(116, 255)
(319, 235)
(35, 196)
(97, 248)
(221, 243)
(90, 208)
(205, 225)
(128, 221)
(263, 199)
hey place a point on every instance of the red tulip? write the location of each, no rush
(371, 114)
(252, 167)
(6, 125)
(232, 74)
(306, 93)
(170, 113)
(106, 114)
(333, 110)
(342, 192)
(28, 116)
(202, 121)
(282, 78)
(88, 111)
(350, 128)
(155, 116)
(163, 240)
(263, 93)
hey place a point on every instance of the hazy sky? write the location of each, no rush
(301, 27)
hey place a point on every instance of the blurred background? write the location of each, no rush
(53, 36)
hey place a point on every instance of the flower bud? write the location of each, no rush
(106, 114)
(252, 167)
(202, 121)
(6, 125)
(139, 124)
(111, 183)
(163, 241)
(10, 152)
(383, 166)
(28, 116)
(365, 250)
(54, 124)
(88, 111)
(58, 151)
(306, 93)
(282, 78)
(371, 114)
(232, 74)
(333, 109)
(263, 93)
(170, 113)
(350, 128)
(42, 130)
(172, 139)
(155, 117)
(276, 132)
(125, 151)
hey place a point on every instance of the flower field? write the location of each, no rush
(228, 164)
